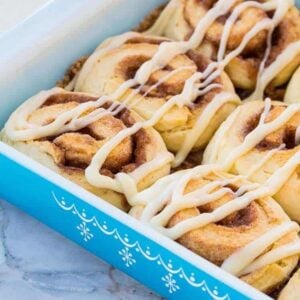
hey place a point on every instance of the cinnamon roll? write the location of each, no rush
(292, 94)
(253, 33)
(171, 91)
(292, 290)
(226, 219)
(258, 139)
(174, 88)
(68, 131)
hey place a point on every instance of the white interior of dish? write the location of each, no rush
(35, 54)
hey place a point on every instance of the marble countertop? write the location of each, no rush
(39, 264)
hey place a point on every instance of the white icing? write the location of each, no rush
(105, 47)
(242, 258)
(92, 172)
(159, 161)
(256, 167)
(211, 152)
(167, 196)
(258, 134)
(246, 194)
(71, 85)
(170, 198)
(165, 78)
(234, 17)
(19, 129)
(281, 10)
(269, 73)
(267, 109)
(242, 198)
(273, 256)
(202, 123)
(168, 50)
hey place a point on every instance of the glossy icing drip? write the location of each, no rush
(202, 123)
(258, 134)
(238, 261)
(167, 197)
(105, 47)
(167, 51)
(273, 256)
(170, 198)
(262, 162)
(263, 78)
(159, 212)
(269, 73)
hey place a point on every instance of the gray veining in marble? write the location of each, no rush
(38, 264)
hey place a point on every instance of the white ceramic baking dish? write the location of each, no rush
(33, 56)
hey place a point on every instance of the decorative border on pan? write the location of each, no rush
(127, 252)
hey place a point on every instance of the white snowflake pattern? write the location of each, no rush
(85, 232)
(168, 280)
(170, 283)
(127, 257)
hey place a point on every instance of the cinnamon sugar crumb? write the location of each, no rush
(150, 19)
(72, 71)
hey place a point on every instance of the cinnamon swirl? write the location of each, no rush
(140, 94)
(261, 30)
(173, 93)
(255, 141)
(65, 131)
(226, 219)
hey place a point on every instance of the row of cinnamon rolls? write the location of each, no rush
(132, 115)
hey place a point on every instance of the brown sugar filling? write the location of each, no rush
(167, 89)
(78, 148)
(285, 135)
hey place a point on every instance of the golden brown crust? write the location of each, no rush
(284, 135)
(218, 241)
(292, 290)
(76, 149)
(292, 94)
(194, 159)
(121, 64)
(215, 241)
(243, 69)
(287, 32)
(194, 10)
(245, 122)
(70, 153)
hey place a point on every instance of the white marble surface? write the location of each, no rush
(38, 264)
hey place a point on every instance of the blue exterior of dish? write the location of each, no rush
(160, 264)
(108, 238)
